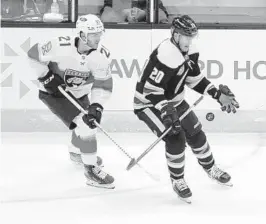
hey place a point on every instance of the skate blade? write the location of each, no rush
(95, 184)
(187, 200)
(77, 163)
(228, 184)
(80, 163)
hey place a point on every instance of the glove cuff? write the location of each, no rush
(214, 93)
(167, 109)
(44, 80)
(97, 105)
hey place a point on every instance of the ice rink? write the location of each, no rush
(40, 185)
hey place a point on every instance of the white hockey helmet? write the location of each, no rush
(89, 24)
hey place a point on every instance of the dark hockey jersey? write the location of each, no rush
(165, 75)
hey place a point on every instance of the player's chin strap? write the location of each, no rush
(134, 161)
(82, 110)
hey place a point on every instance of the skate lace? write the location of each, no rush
(97, 171)
(181, 184)
(216, 172)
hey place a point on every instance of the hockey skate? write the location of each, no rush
(76, 158)
(98, 178)
(181, 188)
(219, 176)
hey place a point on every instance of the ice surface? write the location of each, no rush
(39, 184)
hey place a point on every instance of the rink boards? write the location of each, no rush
(232, 57)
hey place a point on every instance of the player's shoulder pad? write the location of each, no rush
(170, 55)
(51, 43)
(99, 57)
(99, 64)
(98, 61)
(47, 45)
(42, 49)
(104, 51)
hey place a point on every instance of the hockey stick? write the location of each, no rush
(134, 161)
(82, 110)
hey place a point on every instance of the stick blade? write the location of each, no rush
(131, 164)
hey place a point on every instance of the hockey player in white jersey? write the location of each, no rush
(82, 66)
(159, 102)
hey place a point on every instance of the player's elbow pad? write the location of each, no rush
(34, 61)
(202, 85)
(39, 68)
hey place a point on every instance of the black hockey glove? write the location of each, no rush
(225, 98)
(95, 111)
(170, 118)
(51, 82)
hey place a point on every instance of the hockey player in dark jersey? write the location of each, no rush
(159, 102)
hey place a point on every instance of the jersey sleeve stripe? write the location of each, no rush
(192, 81)
(202, 85)
(105, 85)
(161, 104)
(148, 87)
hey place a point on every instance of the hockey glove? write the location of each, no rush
(170, 119)
(225, 98)
(94, 114)
(51, 82)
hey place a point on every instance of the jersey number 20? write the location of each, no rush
(156, 75)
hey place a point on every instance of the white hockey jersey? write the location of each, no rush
(82, 73)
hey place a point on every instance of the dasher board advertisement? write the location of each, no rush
(226, 57)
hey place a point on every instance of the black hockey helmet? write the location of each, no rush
(184, 25)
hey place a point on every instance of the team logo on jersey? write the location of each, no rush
(46, 48)
(74, 78)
